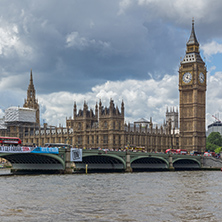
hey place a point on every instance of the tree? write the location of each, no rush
(214, 141)
(215, 138)
(217, 150)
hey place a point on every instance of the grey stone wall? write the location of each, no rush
(211, 162)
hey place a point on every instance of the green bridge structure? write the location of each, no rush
(137, 161)
(101, 160)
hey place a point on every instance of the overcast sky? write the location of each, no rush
(89, 50)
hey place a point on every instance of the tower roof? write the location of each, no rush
(31, 85)
(193, 39)
(192, 52)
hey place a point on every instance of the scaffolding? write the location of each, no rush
(18, 114)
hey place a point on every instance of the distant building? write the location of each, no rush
(172, 114)
(214, 127)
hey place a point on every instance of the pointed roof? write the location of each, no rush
(193, 39)
(31, 80)
(192, 52)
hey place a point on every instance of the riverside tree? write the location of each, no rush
(214, 142)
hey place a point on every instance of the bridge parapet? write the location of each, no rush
(143, 160)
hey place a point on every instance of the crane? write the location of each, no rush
(216, 118)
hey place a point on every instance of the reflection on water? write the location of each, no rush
(156, 196)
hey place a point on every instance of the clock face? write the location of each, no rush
(187, 77)
(201, 77)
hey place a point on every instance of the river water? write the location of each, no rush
(149, 196)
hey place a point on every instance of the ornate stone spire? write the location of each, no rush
(31, 89)
(193, 39)
(31, 102)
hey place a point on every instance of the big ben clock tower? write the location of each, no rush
(192, 88)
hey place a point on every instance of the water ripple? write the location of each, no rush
(157, 196)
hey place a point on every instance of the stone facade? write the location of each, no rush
(105, 128)
(172, 115)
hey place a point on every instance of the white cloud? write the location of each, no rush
(214, 99)
(8, 38)
(11, 43)
(75, 40)
(211, 48)
(123, 5)
(147, 98)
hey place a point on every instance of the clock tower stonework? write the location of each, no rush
(192, 88)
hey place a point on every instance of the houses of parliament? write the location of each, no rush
(105, 127)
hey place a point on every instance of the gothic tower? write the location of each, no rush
(192, 88)
(31, 102)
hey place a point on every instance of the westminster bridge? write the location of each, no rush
(105, 160)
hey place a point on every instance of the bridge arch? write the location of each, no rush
(149, 163)
(34, 161)
(101, 162)
(186, 163)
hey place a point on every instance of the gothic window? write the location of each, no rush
(79, 126)
(79, 139)
(88, 139)
(114, 140)
(119, 125)
(92, 139)
(105, 139)
(97, 139)
(105, 124)
(114, 125)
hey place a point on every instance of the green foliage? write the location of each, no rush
(218, 150)
(211, 147)
(214, 142)
(215, 138)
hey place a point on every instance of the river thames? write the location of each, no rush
(149, 196)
